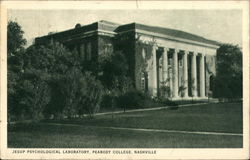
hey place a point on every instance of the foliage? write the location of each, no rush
(16, 41)
(114, 77)
(15, 51)
(35, 96)
(165, 91)
(114, 69)
(132, 99)
(228, 79)
(51, 63)
(106, 101)
(91, 91)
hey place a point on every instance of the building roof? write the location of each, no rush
(166, 31)
(115, 27)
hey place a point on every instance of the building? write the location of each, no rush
(158, 57)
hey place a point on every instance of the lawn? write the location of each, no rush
(223, 117)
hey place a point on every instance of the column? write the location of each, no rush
(154, 72)
(170, 74)
(202, 76)
(175, 74)
(185, 73)
(165, 66)
(194, 75)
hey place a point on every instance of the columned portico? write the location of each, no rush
(170, 72)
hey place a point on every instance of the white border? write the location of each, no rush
(161, 153)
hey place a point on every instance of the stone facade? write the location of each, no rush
(158, 58)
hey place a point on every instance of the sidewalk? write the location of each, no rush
(150, 109)
(153, 130)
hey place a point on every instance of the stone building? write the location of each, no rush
(180, 62)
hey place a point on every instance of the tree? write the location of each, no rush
(35, 96)
(15, 51)
(91, 91)
(15, 38)
(228, 80)
(115, 79)
(46, 71)
(114, 69)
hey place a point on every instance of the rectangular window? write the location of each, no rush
(82, 51)
(143, 83)
(108, 49)
(89, 51)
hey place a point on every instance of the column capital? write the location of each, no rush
(193, 53)
(166, 49)
(200, 54)
(177, 50)
(155, 46)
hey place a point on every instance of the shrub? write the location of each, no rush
(131, 99)
(106, 101)
(167, 102)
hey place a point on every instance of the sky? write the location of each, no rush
(219, 25)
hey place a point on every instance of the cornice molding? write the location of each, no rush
(171, 38)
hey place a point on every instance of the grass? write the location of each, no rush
(224, 117)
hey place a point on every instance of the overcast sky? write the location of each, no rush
(220, 25)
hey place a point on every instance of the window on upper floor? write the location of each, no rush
(108, 49)
(82, 51)
(88, 57)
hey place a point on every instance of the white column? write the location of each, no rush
(185, 73)
(194, 76)
(175, 74)
(202, 76)
(170, 73)
(165, 65)
(154, 78)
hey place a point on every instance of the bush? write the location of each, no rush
(167, 102)
(106, 101)
(131, 99)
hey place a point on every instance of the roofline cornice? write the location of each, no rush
(172, 38)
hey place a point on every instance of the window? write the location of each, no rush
(108, 49)
(144, 82)
(88, 57)
(211, 83)
(82, 51)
